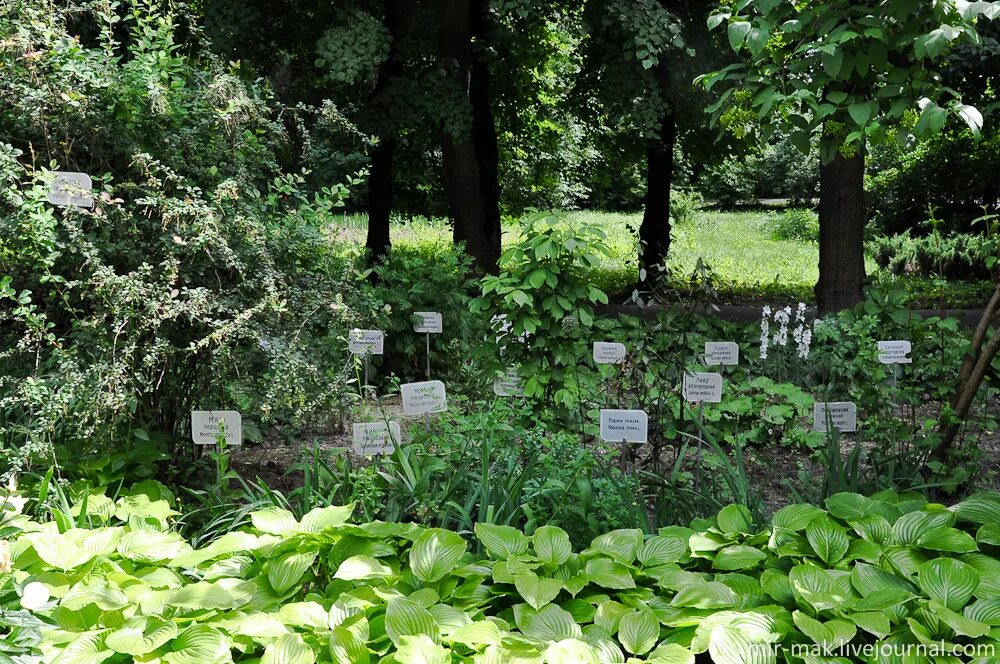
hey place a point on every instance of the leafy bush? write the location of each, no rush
(960, 256)
(195, 280)
(953, 173)
(684, 204)
(798, 224)
(546, 298)
(891, 570)
(730, 183)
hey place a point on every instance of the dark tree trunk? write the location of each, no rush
(841, 233)
(380, 180)
(382, 171)
(471, 158)
(654, 233)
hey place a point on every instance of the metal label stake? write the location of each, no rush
(428, 336)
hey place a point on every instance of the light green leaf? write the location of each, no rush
(662, 550)
(738, 31)
(609, 574)
(735, 519)
(536, 591)
(321, 518)
(738, 557)
(435, 553)
(141, 635)
(550, 623)
(639, 631)
(571, 651)
(289, 649)
(622, 545)
(501, 542)
(827, 539)
(552, 545)
(949, 581)
(199, 644)
(405, 617)
(671, 653)
(274, 521)
(357, 568)
(285, 572)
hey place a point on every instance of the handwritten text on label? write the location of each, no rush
(608, 352)
(372, 438)
(366, 342)
(428, 322)
(703, 387)
(843, 416)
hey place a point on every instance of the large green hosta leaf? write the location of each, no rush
(435, 554)
(639, 631)
(405, 617)
(552, 545)
(550, 623)
(827, 539)
(199, 644)
(289, 649)
(141, 635)
(816, 587)
(84, 649)
(571, 651)
(949, 581)
(501, 542)
(285, 572)
(830, 634)
(536, 591)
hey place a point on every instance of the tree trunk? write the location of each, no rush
(380, 181)
(470, 158)
(654, 233)
(841, 234)
(382, 172)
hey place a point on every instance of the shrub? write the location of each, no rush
(684, 204)
(863, 572)
(730, 182)
(797, 224)
(961, 256)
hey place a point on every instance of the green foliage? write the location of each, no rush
(950, 173)
(959, 257)
(796, 224)
(194, 280)
(545, 293)
(730, 182)
(866, 572)
(865, 74)
(432, 276)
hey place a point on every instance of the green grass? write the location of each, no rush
(747, 262)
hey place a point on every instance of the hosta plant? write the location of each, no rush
(886, 574)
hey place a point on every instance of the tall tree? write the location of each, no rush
(640, 60)
(469, 145)
(855, 73)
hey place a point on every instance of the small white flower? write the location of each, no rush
(34, 596)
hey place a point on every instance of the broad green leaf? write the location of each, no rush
(849, 506)
(501, 542)
(705, 595)
(552, 545)
(274, 521)
(638, 632)
(201, 595)
(949, 581)
(950, 540)
(962, 625)
(738, 31)
(775, 583)
(738, 557)
(571, 651)
(609, 613)
(536, 591)
(729, 645)
(832, 633)
(671, 653)
(481, 632)
(199, 644)
(735, 519)
(358, 568)
(141, 635)
(662, 550)
(321, 518)
(796, 517)
(609, 574)
(435, 554)
(347, 648)
(84, 649)
(980, 509)
(289, 649)
(827, 539)
(622, 545)
(550, 623)
(404, 617)
(285, 572)
(816, 587)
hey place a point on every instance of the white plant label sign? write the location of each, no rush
(843, 415)
(205, 426)
(366, 342)
(894, 352)
(71, 189)
(624, 426)
(722, 353)
(702, 387)
(510, 384)
(609, 352)
(429, 322)
(374, 438)
(424, 397)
